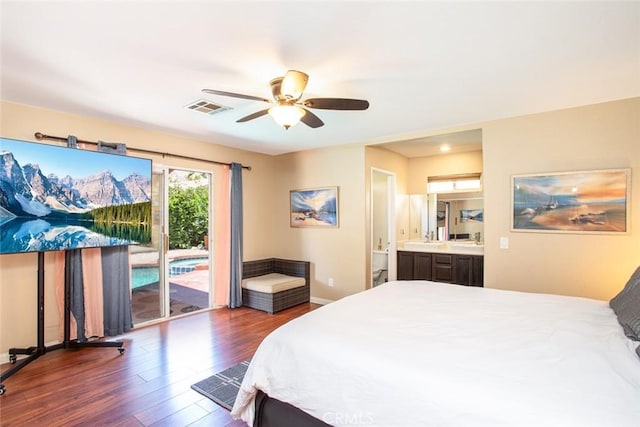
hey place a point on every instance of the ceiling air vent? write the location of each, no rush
(206, 107)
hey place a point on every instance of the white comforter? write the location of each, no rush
(430, 354)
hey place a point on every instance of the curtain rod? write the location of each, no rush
(40, 136)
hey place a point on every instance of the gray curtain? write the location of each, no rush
(235, 297)
(115, 290)
(75, 286)
(73, 275)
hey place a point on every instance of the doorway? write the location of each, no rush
(172, 275)
(383, 232)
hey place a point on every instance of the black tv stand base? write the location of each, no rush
(35, 352)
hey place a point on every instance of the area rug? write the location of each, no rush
(223, 387)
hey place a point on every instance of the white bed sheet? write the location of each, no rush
(431, 354)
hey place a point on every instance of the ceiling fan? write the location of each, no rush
(288, 107)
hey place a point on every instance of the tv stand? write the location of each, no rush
(40, 349)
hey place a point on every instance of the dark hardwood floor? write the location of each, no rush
(150, 385)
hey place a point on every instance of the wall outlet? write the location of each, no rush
(330, 282)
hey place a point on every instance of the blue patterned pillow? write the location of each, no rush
(626, 305)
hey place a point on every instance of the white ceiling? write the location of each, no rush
(423, 66)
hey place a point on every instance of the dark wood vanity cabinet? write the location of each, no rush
(422, 266)
(441, 267)
(405, 265)
(469, 270)
(414, 266)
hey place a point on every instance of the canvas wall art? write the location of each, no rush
(472, 215)
(572, 202)
(314, 207)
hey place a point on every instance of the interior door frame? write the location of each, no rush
(392, 271)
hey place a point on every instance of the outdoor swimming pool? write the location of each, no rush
(141, 276)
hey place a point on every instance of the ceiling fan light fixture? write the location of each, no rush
(287, 106)
(286, 115)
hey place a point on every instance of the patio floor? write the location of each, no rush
(188, 291)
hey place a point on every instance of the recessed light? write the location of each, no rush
(444, 148)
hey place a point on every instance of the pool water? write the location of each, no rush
(181, 266)
(141, 276)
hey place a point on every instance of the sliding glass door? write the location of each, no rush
(172, 275)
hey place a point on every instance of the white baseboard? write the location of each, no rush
(320, 301)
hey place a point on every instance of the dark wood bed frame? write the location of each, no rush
(271, 412)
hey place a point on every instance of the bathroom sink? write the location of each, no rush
(468, 246)
(422, 245)
(464, 243)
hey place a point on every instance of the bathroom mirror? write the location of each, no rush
(417, 216)
(455, 216)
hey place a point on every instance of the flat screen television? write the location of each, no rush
(58, 198)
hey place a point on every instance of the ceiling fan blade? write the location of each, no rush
(234, 95)
(336, 103)
(311, 119)
(253, 116)
(293, 84)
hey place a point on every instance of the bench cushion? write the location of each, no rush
(272, 283)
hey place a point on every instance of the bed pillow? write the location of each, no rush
(626, 305)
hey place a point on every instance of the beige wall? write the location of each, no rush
(592, 137)
(18, 272)
(337, 253)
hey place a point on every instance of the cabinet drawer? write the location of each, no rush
(442, 273)
(443, 259)
(443, 268)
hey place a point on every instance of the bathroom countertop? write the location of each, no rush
(447, 247)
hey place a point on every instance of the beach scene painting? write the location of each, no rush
(572, 202)
(314, 208)
(471, 215)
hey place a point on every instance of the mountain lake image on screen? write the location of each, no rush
(58, 198)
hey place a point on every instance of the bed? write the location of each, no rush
(420, 353)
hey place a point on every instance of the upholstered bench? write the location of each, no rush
(275, 284)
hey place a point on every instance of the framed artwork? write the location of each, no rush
(314, 207)
(471, 215)
(572, 202)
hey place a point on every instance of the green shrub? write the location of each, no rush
(188, 216)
